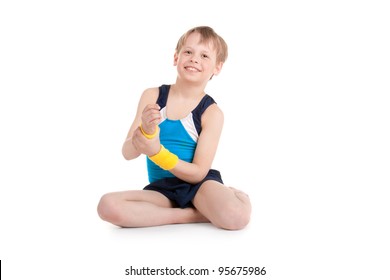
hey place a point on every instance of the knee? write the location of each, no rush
(235, 217)
(108, 209)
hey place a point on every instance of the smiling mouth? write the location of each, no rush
(192, 69)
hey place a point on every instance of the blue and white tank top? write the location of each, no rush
(178, 136)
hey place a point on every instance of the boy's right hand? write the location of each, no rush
(150, 118)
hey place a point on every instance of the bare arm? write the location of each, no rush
(212, 123)
(149, 96)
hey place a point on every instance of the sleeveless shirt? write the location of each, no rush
(178, 136)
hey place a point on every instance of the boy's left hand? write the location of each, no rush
(149, 147)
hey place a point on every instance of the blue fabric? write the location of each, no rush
(174, 136)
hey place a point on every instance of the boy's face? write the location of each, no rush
(197, 61)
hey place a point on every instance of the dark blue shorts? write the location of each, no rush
(179, 191)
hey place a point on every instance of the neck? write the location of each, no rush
(188, 90)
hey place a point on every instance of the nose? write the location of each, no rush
(194, 59)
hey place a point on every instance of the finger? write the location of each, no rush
(152, 114)
(148, 107)
(151, 107)
(150, 111)
(151, 120)
(155, 118)
(137, 142)
(136, 132)
(155, 122)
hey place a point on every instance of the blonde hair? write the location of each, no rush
(207, 34)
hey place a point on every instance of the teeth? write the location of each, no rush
(192, 69)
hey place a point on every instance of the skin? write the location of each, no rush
(225, 207)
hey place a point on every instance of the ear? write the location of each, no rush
(218, 68)
(175, 58)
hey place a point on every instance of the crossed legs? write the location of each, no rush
(224, 207)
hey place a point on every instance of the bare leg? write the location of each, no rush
(225, 207)
(141, 208)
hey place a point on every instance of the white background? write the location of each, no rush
(305, 95)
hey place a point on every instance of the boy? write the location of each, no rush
(178, 128)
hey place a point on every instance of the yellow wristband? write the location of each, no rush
(149, 136)
(165, 159)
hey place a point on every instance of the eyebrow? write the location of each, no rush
(203, 50)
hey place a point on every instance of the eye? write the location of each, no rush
(187, 52)
(205, 56)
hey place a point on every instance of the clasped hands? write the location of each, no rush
(150, 119)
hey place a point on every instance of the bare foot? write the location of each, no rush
(196, 216)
